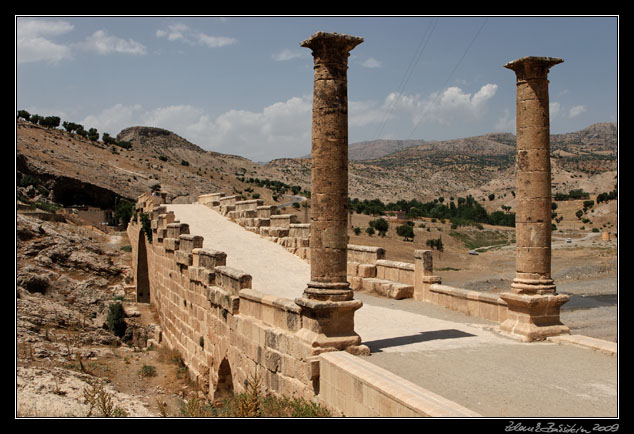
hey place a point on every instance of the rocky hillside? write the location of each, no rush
(480, 166)
(73, 170)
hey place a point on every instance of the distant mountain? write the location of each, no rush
(156, 137)
(378, 148)
(481, 165)
(385, 169)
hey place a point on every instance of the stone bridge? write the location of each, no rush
(243, 291)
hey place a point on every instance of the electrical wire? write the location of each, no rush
(449, 77)
(408, 74)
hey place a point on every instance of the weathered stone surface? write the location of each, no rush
(533, 309)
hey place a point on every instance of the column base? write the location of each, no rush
(533, 317)
(328, 291)
(533, 286)
(329, 325)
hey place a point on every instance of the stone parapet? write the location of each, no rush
(365, 254)
(353, 387)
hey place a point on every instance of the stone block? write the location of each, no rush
(170, 244)
(183, 258)
(175, 230)
(367, 270)
(353, 269)
(209, 258)
(232, 279)
(188, 242)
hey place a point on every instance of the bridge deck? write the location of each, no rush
(459, 357)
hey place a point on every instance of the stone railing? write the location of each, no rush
(211, 316)
(367, 270)
(226, 332)
(256, 217)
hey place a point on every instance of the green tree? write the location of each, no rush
(381, 225)
(124, 211)
(93, 135)
(50, 122)
(406, 231)
(116, 319)
(24, 115)
(36, 119)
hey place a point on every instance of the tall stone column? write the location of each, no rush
(327, 302)
(533, 303)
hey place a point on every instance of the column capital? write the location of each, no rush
(532, 67)
(324, 42)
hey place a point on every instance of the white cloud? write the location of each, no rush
(576, 111)
(113, 119)
(282, 129)
(102, 43)
(33, 42)
(557, 110)
(289, 54)
(215, 41)
(443, 107)
(182, 32)
(175, 32)
(371, 63)
(363, 113)
(506, 123)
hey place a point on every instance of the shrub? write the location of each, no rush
(124, 211)
(381, 225)
(116, 319)
(97, 398)
(147, 371)
(146, 225)
(406, 231)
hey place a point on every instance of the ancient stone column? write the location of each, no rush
(328, 299)
(533, 303)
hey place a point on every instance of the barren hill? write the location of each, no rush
(74, 170)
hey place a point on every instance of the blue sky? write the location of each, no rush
(243, 85)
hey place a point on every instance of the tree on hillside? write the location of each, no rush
(406, 231)
(93, 135)
(381, 225)
(50, 121)
(24, 115)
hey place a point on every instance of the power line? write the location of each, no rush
(449, 76)
(408, 73)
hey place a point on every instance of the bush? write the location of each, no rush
(116, 319)
(124, 211)
(435, 244)
(147, 371)
(255, 402)
(381, 225)
(146, 225)
(406, 231)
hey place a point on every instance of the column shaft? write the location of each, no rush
(329, 176)
(532, 172)
(327, 303)
(533, 305)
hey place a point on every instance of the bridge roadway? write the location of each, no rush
(459, 357)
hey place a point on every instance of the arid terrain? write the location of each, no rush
(69, 273)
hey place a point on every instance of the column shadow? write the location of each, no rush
(378, 345)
